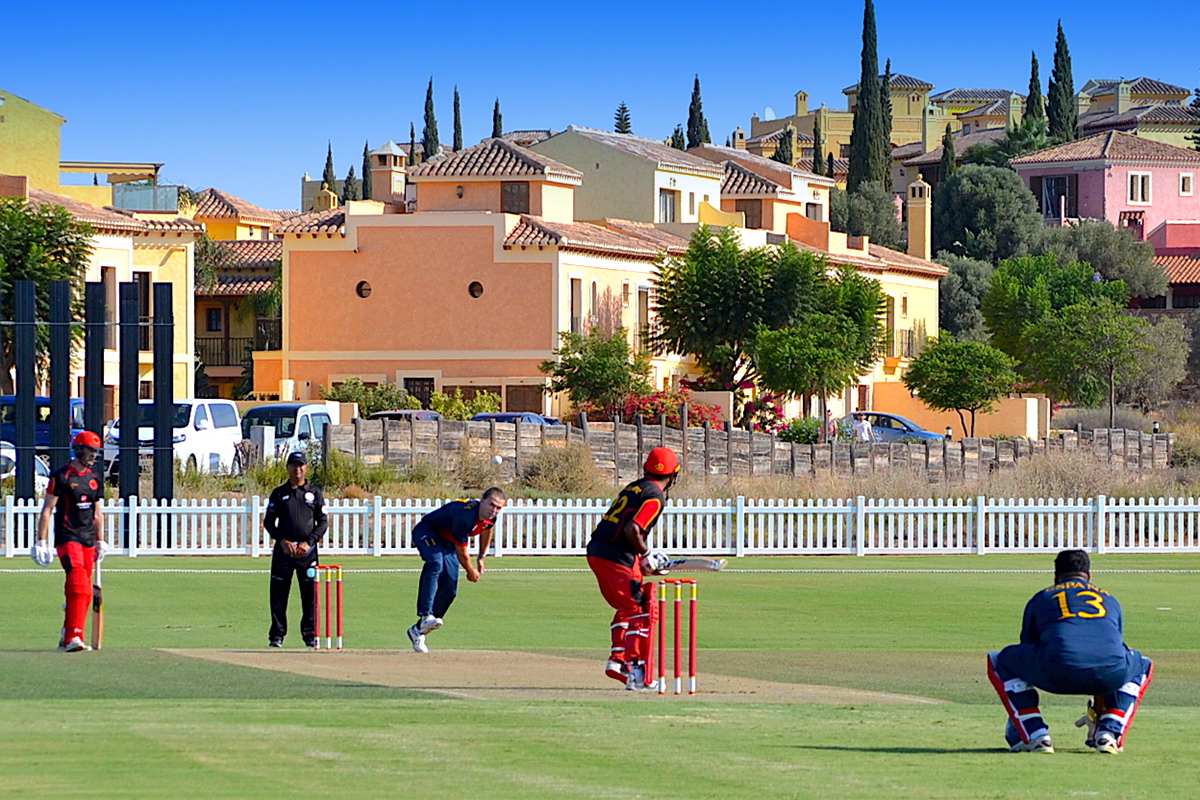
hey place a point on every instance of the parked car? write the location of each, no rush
(41, 436)
(527, 417)
(890, 427)
(294, 423)
(407, 413)
(8, 467)
(206, 434)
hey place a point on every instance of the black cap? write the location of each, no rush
(297, 458)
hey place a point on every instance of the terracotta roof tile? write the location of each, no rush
(1111, 146)
(1107, 86)
(496, 158)
(665, 156)
(962, 141)
(971, 95)
(739, 180)
(899, 81)
(996, 108)
(1180, 269)
(113, 219)
(238, 286)
(776, 135)
(332, 220)
(1095, 121)
(534, 231)
(526, 138)
(251, 254)
(663, 240)
(216, 204)
(766, 167)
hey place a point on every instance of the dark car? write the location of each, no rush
(8, 420)
(527, 417)
(890, 427)
(407, 413)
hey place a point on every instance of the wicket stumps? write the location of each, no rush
(327, 574)
(664, 588)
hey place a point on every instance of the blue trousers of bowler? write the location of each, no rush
(439, 576)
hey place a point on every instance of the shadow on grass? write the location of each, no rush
(897, 750)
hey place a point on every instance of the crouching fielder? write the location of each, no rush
(1071, 643)
(615, 554)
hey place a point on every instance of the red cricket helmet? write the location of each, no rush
(86, 439)
(662, 462)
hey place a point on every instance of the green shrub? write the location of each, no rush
(566, 470)
(425, 471)
(479, 471)
(1090, 419)
(339, 471)
(456, 407)
(382, 397)
(804, 430)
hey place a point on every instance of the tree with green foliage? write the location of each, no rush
(785, 152)
(208, 257)
(829, 166)
(869, 158)
(366, 171)
(818, 162)
(1034, 104)
(429, 134)
(960, 294)
(1079, 352)
(413, 157)
(697, 126)
(810, 360)
(952, 375)
(350, 187)
(497, 121)
(621, 119)
(1113, 252)
(1061, 111)
(949, 159)
(985, 212)
(1162, 367)
(456, 406)
(869, 210)
(39, 242)
(329, 177)
(598, 368)
(1025, 290)
(381, 397)
(1029, 135)
(884, 142)
(677, 140)
(458, 139)
(1194, 108)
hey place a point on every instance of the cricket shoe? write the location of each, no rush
(1107, 743)
(275, 643)
(418, 640)
(76, 645)
(428, 624)
(636, 682)
(1042, 744)
(617, 670)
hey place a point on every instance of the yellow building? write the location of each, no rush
(226, 217)
(1142, 106)
(765, 192)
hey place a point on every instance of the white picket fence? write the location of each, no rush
(737, 526)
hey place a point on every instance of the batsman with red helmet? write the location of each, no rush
(72, 499)
(618, 553)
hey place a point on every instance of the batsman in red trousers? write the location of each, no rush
(618, 554)
(72, 499)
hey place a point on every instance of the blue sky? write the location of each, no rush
(244, 96)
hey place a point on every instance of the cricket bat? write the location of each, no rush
(695, 564)
(97, 611)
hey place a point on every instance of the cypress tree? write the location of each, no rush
(458, 143)
(949, 160)
(677, 140)
(1061, 110)
(829, 166)
(818, 162)
(697, 126)
(1035, 106)
(885, 95)
(429, 134)
(869, 159)
(727, 142)
(497, 121)
(621, 118)
(350, 189)
(1195, 109)
(329, 177)
(413, 158)
(366, 173)
(785, 151)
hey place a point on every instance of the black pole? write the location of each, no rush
(95, 332)
(164, 392)
(60, 373)
(128, 453)
(26, 402)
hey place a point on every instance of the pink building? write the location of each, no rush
(1130, 181)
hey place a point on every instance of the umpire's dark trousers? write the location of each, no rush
(283, 566)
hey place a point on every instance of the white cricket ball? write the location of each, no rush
(497, 459)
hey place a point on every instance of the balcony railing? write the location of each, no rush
(139, 197)
(221, 352)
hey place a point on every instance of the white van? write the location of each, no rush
(206, 435)
(295, 424)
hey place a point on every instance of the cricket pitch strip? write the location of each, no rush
(517, 675)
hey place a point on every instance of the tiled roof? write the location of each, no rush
(526, 138)
(899, 81)
(494, 158)
(739, 180)
(1102, 120)
(909, 150)
(249, 254)
(962, 141)
(534, 231)
(761, 164)
(674, 245)
(113, 219)
(1106, 86)
(1112, 146)
(880, 259)
(216, 204)
(841, 166)
(332, 220)
(776, 135)
(996, 108)
(971, 95)
(665, 156)
(238, 286)
(1180, 269)
(388, 148)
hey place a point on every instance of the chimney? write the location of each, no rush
(801, 104)
(388, 173)
(1123, 101)
(14, 186)
(1014, 110)
(920, 220)
(739, 139)
(931, 132)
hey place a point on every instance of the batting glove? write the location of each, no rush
(101, 551)
(42, 555)
(655, 562)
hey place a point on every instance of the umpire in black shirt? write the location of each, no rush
(296, 520)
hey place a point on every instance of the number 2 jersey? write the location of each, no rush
(1076, 624)
(641, 502)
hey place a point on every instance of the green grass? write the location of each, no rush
(132, 721)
